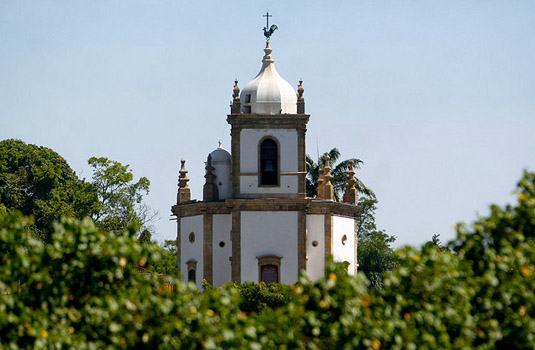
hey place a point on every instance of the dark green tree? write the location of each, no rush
(338, 171)
(375, 254)
(120, 199)
(37, 181)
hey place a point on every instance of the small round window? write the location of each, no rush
(315, 243)
(221, 244)
(191, 237)
(344, 239)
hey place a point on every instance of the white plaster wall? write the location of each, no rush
(269, 233)
(222, 224)
(249, 140)
(316, 255)
(344, 226)
(188, 250)
(249, 184)
(222, 173)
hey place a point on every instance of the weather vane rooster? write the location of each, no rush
(269, 32)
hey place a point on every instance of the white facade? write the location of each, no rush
(222, 249)
(269, 233)
(192, 251)
(344, 236)
(315, 246)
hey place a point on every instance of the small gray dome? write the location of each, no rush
(220, 155)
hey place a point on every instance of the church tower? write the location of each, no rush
(255, 222)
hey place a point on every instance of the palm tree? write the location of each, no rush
(338, 172)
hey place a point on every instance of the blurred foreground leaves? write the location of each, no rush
(82, 292)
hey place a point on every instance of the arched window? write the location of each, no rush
(192, 270)
(269, 163)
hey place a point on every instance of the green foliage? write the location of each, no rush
(39, 182)
(81, 292)
(375, 255)
(338, 172)
(255, 297)
(119, 197)
(166, 262)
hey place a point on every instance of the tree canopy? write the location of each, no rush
(39, 182)
(375, 253)
(119, 197)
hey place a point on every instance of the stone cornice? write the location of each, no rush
(308, 205)
(268, 121)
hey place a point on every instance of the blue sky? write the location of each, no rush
(437, 97)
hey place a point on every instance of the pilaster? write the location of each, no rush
(178, 245)
(208, 248)
(328, 222)
(235, 237)
(301, 240)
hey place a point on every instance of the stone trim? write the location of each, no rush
(289, 173)
(356, 265)
(269, 260)
(235, 238)
(328, 222)
(208, 255)
(268, 121)
(301, 241)
(269, 195)
(259, 151)
(178, 245)
(272, 202)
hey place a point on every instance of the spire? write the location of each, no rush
(210, 191)
(350, 194)
(184, 194)
(325, 188)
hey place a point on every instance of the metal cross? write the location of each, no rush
(267, 15)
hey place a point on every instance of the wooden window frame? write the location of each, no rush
(269, 260)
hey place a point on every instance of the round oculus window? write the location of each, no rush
(344, 239)
(191, 237)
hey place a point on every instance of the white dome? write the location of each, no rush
(220, 155)
(268, 92)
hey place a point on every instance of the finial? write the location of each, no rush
(184, 194)
(236, 91)
(300, 98)
(350, 193)
(268, 31)
(300, 90)
(220, 144)
(235, 107)
(325, 189)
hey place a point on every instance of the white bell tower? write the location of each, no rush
(268, 137)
